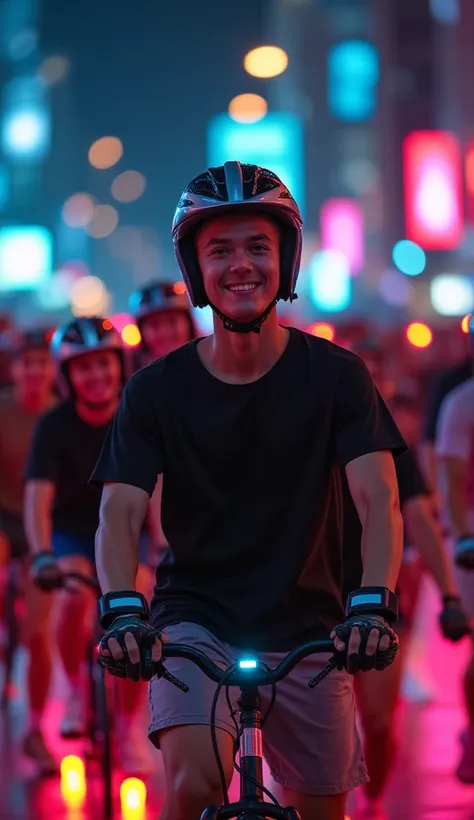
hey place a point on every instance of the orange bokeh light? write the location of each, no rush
(465, 323)
(179, 288)
(419, 335)
(105, 152)
(107, 324)
(323, 330)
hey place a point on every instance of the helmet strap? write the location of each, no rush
(245, 327)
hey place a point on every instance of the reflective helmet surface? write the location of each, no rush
(80, 336)
(156, 297)
(236, 187)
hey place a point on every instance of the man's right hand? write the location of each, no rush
(45, 571)
(130, 648)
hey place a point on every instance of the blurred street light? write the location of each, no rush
(89, 297)
(266, 61)
(128, 186)
(78, 210)
(103, 223)
(248, 108)
(105, 152)
(54, 69)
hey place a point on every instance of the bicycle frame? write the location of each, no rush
(251, 801)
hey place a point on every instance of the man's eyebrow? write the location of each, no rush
(224, 240)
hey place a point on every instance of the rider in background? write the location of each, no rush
(248, 427)
(163, 314)
(441, 387)
(455, 452)
(162, 311)
(31, 394)
(377, 695)
(61, 515)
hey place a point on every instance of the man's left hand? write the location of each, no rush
(370, 641)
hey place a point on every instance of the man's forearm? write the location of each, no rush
(382, 543)
(429, 464)
(427, 539)
(116, 555)
(38, 530)
(455, 506)
(116, 543)
(38, 522)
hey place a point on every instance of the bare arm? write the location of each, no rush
(427, 539)
(453, 477)
(39, 496)
(374, 489)
(122, 513)
(154, 515)
(428, 463)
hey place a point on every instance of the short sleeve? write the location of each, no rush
(411, 483)
(454, 433)
(363, 422)
(43, 460)
(132, 452)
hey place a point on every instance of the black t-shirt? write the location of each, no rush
(251, 505)
(443, 385)
(411, 484)
(65, 450)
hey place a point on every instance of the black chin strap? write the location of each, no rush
(247, 327)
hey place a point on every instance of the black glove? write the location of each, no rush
(145, 636)
(464, 552)
(45, 572)
(360, 661)
(453, 620)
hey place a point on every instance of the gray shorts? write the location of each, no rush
(310, 740)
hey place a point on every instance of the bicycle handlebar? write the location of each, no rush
(249, 669)
(91, 583)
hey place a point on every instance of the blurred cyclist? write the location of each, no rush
(441, 387)
(163, 315)
(248, 427)
(61, 515)
(162, 311)
(455, 452)
(377, 695)
(32, 392)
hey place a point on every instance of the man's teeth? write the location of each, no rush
(242, 287)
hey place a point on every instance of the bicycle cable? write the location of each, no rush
(238, 768)
(215, 746)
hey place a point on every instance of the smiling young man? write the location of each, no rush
(249, 427)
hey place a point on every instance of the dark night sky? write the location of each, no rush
(151, 72)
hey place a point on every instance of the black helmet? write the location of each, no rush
(231, 187)
(158, 297)
(80, 336)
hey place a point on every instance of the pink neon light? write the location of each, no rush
(433, 189)
(120, 320)
(342, 229)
